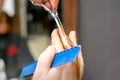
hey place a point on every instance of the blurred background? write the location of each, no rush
(35, 24)
(97, 23)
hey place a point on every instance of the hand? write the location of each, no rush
(69, 71)
(54, 3)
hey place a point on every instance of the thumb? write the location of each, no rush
(44, 62)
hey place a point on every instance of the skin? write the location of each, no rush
(69, 71)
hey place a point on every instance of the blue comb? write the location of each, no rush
(61, 58)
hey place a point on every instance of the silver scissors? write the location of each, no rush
(66, 41)
(54, 14)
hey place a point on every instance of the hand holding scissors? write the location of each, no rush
(51, 7)
(48, 3)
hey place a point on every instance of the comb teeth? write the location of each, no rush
(61, 58)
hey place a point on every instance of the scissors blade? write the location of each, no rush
(56, 18)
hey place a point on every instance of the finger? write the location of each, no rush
(56, 41)
(44, 63)
(47, 4)
(80, 63)
(72, 36)
(54, 4)
(37, 1)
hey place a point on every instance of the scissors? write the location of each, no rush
(67, 43)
